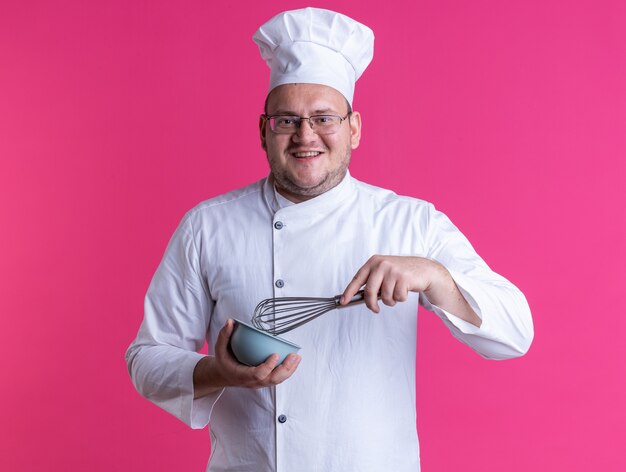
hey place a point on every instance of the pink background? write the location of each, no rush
(116, 117)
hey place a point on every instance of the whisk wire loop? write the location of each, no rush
(280, 315)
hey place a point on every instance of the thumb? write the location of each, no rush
(225, 333)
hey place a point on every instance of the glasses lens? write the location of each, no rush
(284, 124)
(321, 124)
(326, 124)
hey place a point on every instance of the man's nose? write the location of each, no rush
(304, 132)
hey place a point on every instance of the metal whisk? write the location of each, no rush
(279, 315)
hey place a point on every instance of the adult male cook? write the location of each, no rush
(310, 229)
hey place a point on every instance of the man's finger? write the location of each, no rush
(371, 299)
(264, 370)
(223, 338)
(286, 369)
(355, 285)
(372, 290)
(387, 292)
(401, 292)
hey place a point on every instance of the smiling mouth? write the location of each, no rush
(306, 154)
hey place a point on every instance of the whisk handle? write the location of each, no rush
(359, 297)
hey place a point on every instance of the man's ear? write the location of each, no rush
(262, 130)
(355, 129)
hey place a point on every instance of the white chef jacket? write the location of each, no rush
(350, 405)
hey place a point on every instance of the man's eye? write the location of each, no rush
(286, 121)
(323, 120)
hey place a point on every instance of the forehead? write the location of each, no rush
(305, 99)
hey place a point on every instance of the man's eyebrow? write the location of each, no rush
(324, 111)
(283, 112)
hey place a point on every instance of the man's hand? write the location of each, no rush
(223, 370)
(392, 278)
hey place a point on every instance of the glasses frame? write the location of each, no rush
(303, 118)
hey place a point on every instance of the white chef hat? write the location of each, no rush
(315, 46)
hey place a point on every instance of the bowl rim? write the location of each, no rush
(265, 333)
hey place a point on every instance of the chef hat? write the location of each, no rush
(315, 46)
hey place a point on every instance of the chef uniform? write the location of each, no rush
(350, 405)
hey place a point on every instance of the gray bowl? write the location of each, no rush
(252, 347)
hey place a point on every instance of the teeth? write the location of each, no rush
(306, 154)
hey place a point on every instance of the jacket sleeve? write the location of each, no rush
(507, 328)
(177, 310)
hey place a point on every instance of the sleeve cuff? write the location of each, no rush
(502, 334)
(450, 319)
(195, 412)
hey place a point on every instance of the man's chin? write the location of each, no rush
(301, 190)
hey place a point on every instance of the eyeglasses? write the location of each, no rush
(320, 124)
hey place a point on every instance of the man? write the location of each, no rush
(347, 403)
